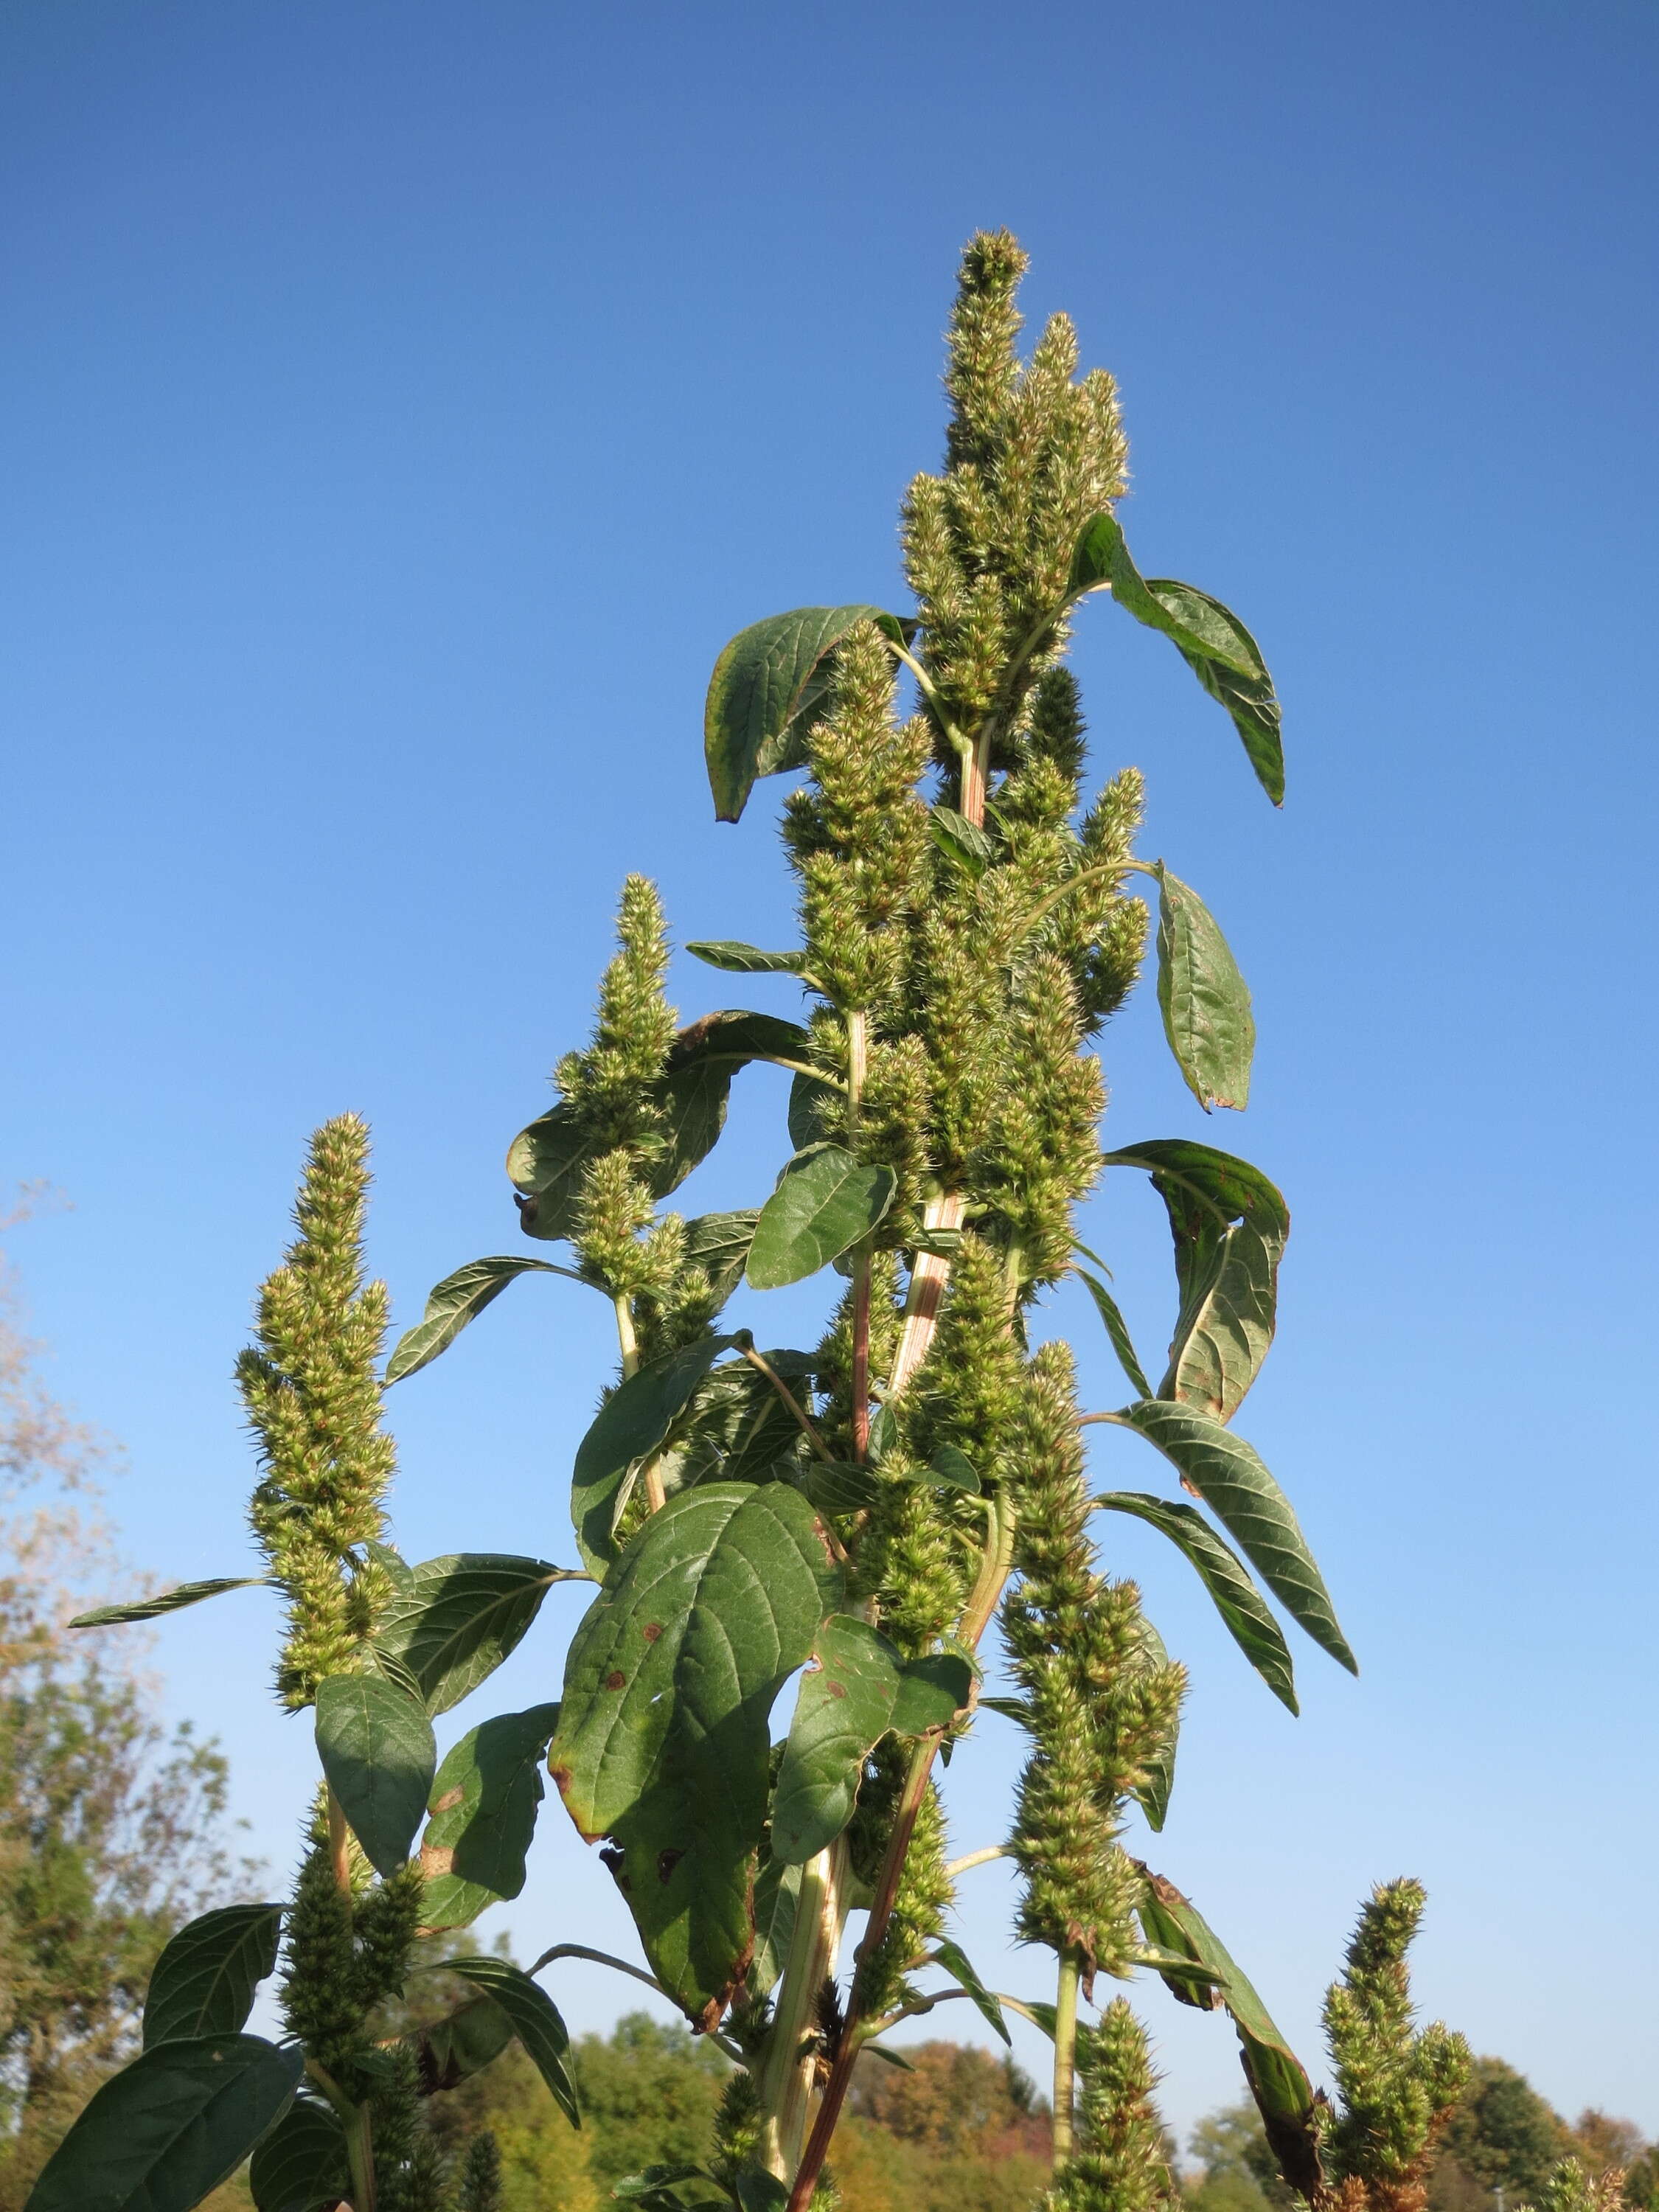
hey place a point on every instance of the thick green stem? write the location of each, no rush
(790, 2061)
(857, 1048)
(354, 2119)
(1065, 2052)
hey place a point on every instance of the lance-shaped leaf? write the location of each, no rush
(1241, 1605)
(302, 2165)
(1230, 1477)
(632, 1423)
(482, 1806)
(457, 1617)
(1205, 1001)
(1277, 2079)
(739, 959)
(172, 1601)
(859, 1687)
(1117, 1330)
(535, 2019)
(1215, 644)
(204, 1982)
(163, 2133)
(956, 1964)
(377, 1748)
(825, 1202)
(662, 1740)
(719, 1244)
(1158, 1766)
(769, 686)
(459, 1299)
(734, 1037)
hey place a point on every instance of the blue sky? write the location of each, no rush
(402, 406)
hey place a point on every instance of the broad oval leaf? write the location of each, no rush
(457, 1617)
(1237, 1600)
(769, 686)
(1205, 1001)
(737, 1428)
(734, 1037)
(859, 1690)
(740, 959)
(632, 1423)
(302, 2165)
(482, 1806)
(952, 1469)
(662, 1740)
(1253, 705)
(825, 1202)
(839, 1486)
(379, 1754)
(152, 1609)
(719, 1244)
(1196, 1180)
(1228, 1475)
(818, 1112)
(163, 2133)
(548, 1160)
(1117, 1330)
(204, 1982)
(535, 2019)
(459, 1299)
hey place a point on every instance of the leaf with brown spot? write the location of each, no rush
(482, 1817)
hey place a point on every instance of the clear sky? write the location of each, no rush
(402, 405)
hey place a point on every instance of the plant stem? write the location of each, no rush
(857, 1048)
(339, 1844)
(977, 1858)
(360, 2154)
(790, 2061)
(928, 1280)
(1065, 2052)
(625, 1336)
(756, 1359)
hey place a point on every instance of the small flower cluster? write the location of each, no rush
(1119, 2163)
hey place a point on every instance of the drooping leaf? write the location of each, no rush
(777, 1890)
(629, 1427)
(1117, 1330)
(739, 959)
(858, 1689)
(204, 1982)
(1158, 1765)
(769, 686)
(454, 2049)
(152, 1609)
(818, 1112)
(825, 1202)
(966, 842)
(548, 1160)
(459, 1617)
(535, 2019)
(1211, 639)
(737, 1428)
(1228, 1475)
(663, 1742)
(956, 1964)
(761, 2192)
(483, 1815)
(1198, 1183)
(719, 1244)
(734, 1037)
(1205, 1001)
(378, 1752)
(1276, 2075)
(301, 2165)
(459, 1299)
(1237, 1600)
(163, 2133)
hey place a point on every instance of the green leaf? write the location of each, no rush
(1158, 1764)
(769, 686)
(1117, 1330)
(719, 1244)
(452, 2050)
(1197, 1181)
(740, 959)
(734, 1037)
(955, 1962)
(459, 1617)
(1205, 1001)
(1237, 1600)
(663, 1741)
(1276, 2075)
(631, 1424)
(838, 1486)
(535, 2019)
(483, 1806)
(777, 1892)
(151, 1608)
(1211, 639)
(548, 1160)
(860, 1688)
(818, 1112)
(459, 1299)
(204, 1982)
(966, 842)
(761, 2192)
(1231, 1480)
(163, 2133)
(950, 1469)
(379, 1754)
(825, 1202)
(302, 2165)
(737, 1428)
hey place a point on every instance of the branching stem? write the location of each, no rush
(759, 1360)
